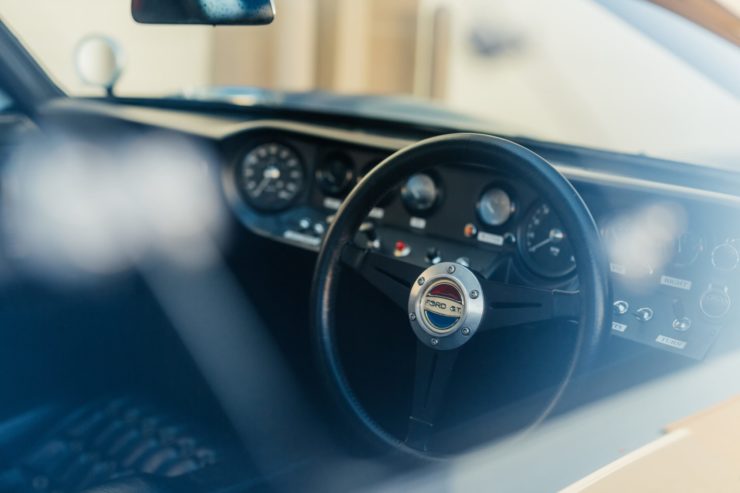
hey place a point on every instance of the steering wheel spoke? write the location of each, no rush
(510, 305)
(432, 375)
(390, 276)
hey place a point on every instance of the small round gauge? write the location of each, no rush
(544, 246)
(335, 174)
(687, 249)
(419, 193)
(725, 257)
(495, 207)
(271, 176)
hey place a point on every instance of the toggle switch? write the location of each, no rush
(401, 249)
(621, 307)
(644, 314)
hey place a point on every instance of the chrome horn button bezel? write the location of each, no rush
(472, 301)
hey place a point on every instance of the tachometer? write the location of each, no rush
(271, 176)
(544, 244)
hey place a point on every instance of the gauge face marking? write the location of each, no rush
(495, 207)
(545, 246)
(271, 176)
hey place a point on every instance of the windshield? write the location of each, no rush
(621, 75)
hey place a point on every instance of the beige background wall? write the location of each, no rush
(574, 72)
(163, 58)
(371, 50)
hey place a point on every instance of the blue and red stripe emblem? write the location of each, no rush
(443, 305)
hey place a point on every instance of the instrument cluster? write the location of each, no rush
(673, 281)
(298, 187)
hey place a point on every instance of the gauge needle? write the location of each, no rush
(555, 236)
(270, 173)
(539, 245)
(261, 187)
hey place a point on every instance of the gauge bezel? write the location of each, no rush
(239, 176)
(514, 207)
(699, 251)
(524, 254)
(438, 201)
(351, 174)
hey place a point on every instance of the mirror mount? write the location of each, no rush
(99, 61)
(208, 12)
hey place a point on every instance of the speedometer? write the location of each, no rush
(544, 244)
(271, 176)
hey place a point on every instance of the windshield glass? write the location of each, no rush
(622, 75)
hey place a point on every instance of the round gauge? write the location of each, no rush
(419, 193)
(544, 246)
(335, 174)
(495, 207)
(271, 176)
(687, 249)
(725, 257)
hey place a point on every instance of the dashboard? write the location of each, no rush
(670, 229)
(673, 254)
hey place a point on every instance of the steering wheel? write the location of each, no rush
(447, 303)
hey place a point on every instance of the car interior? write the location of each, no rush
(218, 296)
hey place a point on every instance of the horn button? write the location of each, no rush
(446, 306)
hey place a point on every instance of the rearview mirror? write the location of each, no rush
(212, 12)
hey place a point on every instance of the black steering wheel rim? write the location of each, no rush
(456, 148)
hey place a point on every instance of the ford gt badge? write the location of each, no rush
(443, 306)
